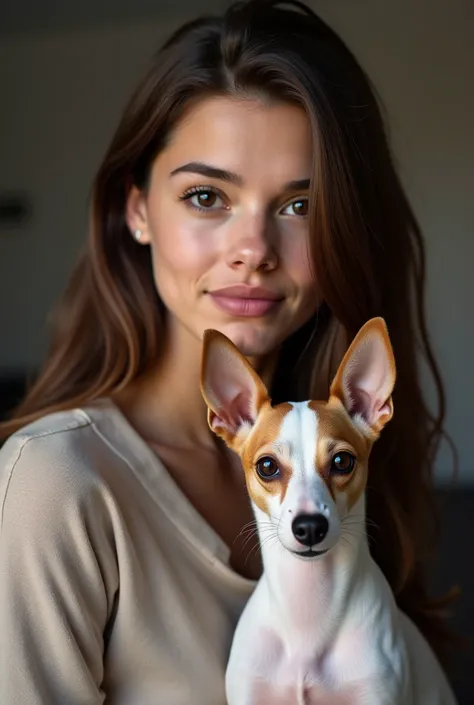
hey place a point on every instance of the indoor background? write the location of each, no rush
(66, 69)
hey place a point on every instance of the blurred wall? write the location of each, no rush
(61, 92)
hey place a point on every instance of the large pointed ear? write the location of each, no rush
(232, 390)
(365, 379)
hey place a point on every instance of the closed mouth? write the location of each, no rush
(309, 553)
(245, 301)
(243, 291)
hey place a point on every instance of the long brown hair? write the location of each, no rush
(368, 260)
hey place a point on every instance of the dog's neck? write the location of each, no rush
(309, 597)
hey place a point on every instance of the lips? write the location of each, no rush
(246, 301)
(309, 553)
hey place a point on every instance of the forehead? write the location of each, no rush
(247, 136)
(304, 432)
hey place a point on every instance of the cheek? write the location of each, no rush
(260, 497)
(295, 254)
(340, 500)
(183, 247)
(348, 492)
(268, 499)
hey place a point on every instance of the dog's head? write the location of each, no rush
(306, 463)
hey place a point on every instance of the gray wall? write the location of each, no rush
(61, 91)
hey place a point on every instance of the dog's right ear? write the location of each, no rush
(232, 390)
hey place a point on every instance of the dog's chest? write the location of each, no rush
(313, 653)
(290, 672)
(309, 645)
(295, 680)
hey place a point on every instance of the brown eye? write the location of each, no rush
(205, 199)
(298, 207)
(267, 468)
(343, 463)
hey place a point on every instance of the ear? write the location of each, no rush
(366, 376)
(136, 214)
(231, 388)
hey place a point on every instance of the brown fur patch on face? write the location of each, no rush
(337, 433)
(263, 441)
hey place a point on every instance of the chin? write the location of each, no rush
(252, 340)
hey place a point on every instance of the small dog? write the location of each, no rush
(322, 626)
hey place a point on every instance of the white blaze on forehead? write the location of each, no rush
(299, 436)
(307, 491)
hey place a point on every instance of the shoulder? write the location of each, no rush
(56, 426)
(51, 463)
(58, 528)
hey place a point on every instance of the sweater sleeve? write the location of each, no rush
(58, 573)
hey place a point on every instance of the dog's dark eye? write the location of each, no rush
(267, 468)
(343, 463)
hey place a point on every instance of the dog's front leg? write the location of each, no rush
(255, 656)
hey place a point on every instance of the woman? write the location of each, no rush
(248, 188)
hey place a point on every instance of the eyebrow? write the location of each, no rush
(212, 172)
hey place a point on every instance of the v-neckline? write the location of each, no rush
(165, 491)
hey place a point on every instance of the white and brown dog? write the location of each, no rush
(322, 626)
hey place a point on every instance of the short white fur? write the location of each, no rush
(324, 630)
(307, 493)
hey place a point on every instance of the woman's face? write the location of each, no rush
(225, 215)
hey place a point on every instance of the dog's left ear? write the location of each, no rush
(366, 376)
(232, 390)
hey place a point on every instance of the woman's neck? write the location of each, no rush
(166, 405)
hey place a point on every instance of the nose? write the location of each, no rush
(310, 529)
(251, 248)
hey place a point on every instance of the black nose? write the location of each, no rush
(310, 529)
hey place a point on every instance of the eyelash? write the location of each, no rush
(187, 195)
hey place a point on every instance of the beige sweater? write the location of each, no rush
(112, 587)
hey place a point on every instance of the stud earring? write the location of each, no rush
(137, 235)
